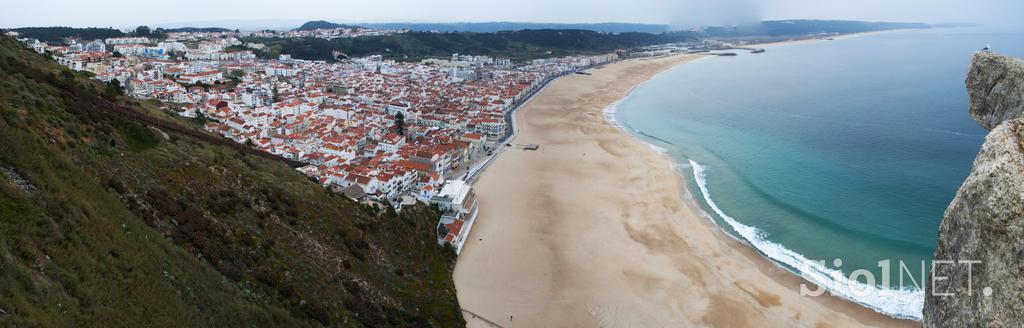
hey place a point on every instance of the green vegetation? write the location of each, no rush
(318, 25)
(137, 138)
(491, 27)
(105, 221)
(142, 30)
(400, 123)
(518, 45)
(526, 44)
(765, 28)
(59, 33)
(198, 29)
(239, 48)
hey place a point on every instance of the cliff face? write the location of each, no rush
(996, 86)
(985, 221)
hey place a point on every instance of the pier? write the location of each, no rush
(752, 50)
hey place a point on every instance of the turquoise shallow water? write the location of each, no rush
(848, 149)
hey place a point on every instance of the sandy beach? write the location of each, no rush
(595, 229)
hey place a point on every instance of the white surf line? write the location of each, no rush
(901, 303)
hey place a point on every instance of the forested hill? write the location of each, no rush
(56, 34)
(491, 27)
(765, 28)
(522, 44)
(113, 213)
(314, 25)
(195, 29)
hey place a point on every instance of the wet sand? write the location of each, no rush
(595, 229)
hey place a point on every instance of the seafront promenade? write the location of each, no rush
(510, 118)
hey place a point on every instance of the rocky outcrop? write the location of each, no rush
(995, 84)
(981, 238)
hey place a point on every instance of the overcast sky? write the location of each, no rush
(127, 13)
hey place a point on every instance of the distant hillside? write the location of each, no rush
(196, 29)
(803, 27)
(492, 27)
(539, 43)
(318, 25)
(113, 213)
(518, 45)
(59, 33)
(765, 28)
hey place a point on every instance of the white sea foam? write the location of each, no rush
(902, 303)
(609, 113)
(659, 150)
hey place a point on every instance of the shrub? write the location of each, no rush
(137, 137)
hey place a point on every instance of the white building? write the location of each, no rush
(172, 46)
(458, 202)
(391, 142)
(208, 77)
(128, 40)
(96, 46)
(281, 70)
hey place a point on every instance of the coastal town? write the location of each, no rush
(508, 164)
(379, 131)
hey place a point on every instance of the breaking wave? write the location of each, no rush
(906, 303)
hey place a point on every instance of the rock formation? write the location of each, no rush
(996, 86)
(982, 231)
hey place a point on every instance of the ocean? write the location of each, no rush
(833, 158)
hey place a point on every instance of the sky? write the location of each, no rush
(680, 13)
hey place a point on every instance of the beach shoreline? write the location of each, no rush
(794, 278)
(653, 250)
(824, 38)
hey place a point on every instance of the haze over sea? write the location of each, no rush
(847, 149)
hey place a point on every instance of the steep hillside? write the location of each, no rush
(108, 222)
(985, 222)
